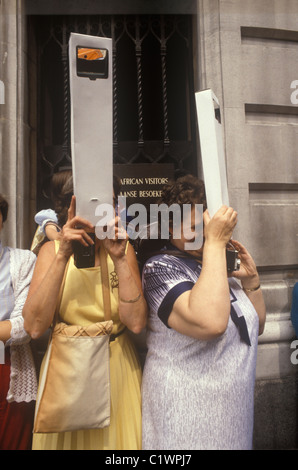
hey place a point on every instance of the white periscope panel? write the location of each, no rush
(91, 93)
(212, 150)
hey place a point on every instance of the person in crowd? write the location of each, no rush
(18, 383)
(50, 221)
(203, 327)
(82, 304)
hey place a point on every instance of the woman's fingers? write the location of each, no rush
(206, 217)
(72, 209)
(81, 236)
(241, 248)
(75, 221)
(220, 227)
(229, 213)
(78, 222)
(225, 216)
(115, 230)
(230, 217)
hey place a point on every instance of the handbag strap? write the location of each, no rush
(56, 315)
(105, 284)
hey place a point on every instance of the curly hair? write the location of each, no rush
(185, 190)
(3, 208)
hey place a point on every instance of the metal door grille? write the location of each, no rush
(153, 103)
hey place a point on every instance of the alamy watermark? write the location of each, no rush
(2, 353)
(162, 221)
(294, 94)
(294, 355)
(2, 92)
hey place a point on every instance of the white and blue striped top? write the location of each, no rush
(196, 394)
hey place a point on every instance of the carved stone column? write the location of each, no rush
(247, 54)
(14, 128)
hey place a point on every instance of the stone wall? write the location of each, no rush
(16, 168)
(247, 53)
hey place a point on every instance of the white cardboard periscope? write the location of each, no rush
(212, 151)
(91, 130)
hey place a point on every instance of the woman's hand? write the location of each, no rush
(247, 274)
(116, 239)
(71, 233)
(249, 277)
(132, 305)
(219, 229)
(204, 312)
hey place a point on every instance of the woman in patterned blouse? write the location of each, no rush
(203, 327)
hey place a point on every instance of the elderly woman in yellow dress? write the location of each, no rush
(82, 304)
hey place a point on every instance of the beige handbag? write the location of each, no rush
(74, 388)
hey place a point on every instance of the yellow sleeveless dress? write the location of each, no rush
(82, 304)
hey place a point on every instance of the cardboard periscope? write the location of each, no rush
(91, 94)
(212, 150)
(213, 161)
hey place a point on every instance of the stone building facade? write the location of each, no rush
(246, 51)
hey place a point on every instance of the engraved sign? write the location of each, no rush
(142, 183)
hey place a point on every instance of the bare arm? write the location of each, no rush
(43, 294)
(5, 330)
(41, 302)
(203, 312)
(132, 305)
(51, 231)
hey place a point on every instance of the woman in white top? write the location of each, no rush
(18, 384)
